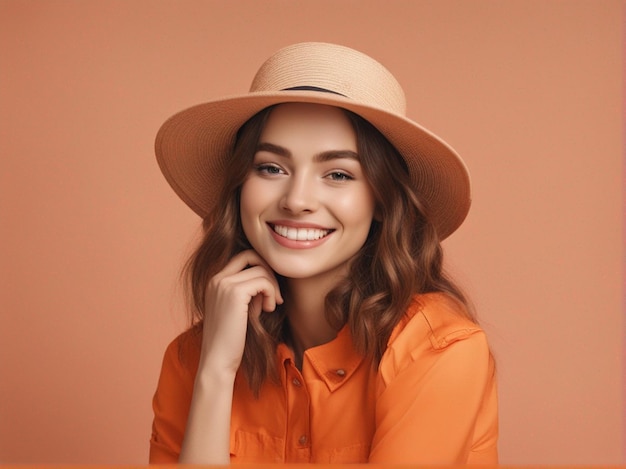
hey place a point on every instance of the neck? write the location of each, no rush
(307, 321)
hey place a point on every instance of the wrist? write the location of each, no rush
(215, 373)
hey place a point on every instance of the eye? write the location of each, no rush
(339, 176)
(268, 169)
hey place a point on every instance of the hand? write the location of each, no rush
(245, 286)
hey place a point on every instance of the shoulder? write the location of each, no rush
(178, 373)
(433, 323)
(183, 354)
(437, 316)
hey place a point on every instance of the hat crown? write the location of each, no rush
(333, 68)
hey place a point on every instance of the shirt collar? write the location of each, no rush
(333, 362)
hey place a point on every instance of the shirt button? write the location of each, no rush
(296, 382)
(303, 439)
(341, 372)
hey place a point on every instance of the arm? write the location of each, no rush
(207, 436)
(440, 408)
(246, 286)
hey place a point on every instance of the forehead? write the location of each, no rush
(296, 124)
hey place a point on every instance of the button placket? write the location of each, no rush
(298, 416)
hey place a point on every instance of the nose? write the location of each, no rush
(300, 195)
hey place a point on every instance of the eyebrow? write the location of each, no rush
(319, 157)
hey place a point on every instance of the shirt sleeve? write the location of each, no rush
(437, 405)
(171, 404)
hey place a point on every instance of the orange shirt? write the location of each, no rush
(432, 399)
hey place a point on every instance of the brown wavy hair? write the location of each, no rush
(401, 257)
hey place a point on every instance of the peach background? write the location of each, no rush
(92, 238)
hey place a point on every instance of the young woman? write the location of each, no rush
(324, 328)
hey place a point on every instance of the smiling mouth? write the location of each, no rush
(300, 234)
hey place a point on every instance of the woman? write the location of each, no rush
(324, 328)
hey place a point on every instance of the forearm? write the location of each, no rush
(246, 285)
(207, 437)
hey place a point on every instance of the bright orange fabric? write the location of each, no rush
(431, 400)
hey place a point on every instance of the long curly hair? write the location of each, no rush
(402, 256)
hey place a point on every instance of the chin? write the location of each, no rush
(307, 271)
(292, 272)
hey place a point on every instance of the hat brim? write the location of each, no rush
(192, 147)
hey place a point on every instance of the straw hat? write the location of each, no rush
(193, 145)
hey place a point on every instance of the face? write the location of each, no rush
(306, 206)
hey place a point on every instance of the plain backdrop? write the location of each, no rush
(92, 238)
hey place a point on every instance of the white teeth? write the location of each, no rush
(300, 234)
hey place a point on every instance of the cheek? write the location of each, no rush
(255, 198)
(357, 208)
(247, 206)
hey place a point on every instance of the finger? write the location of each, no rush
(242, 260)
(245, 285)
(248, 261)
(259, 288)
(256, 306)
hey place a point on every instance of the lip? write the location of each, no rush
(298, 244)
(295, 224)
